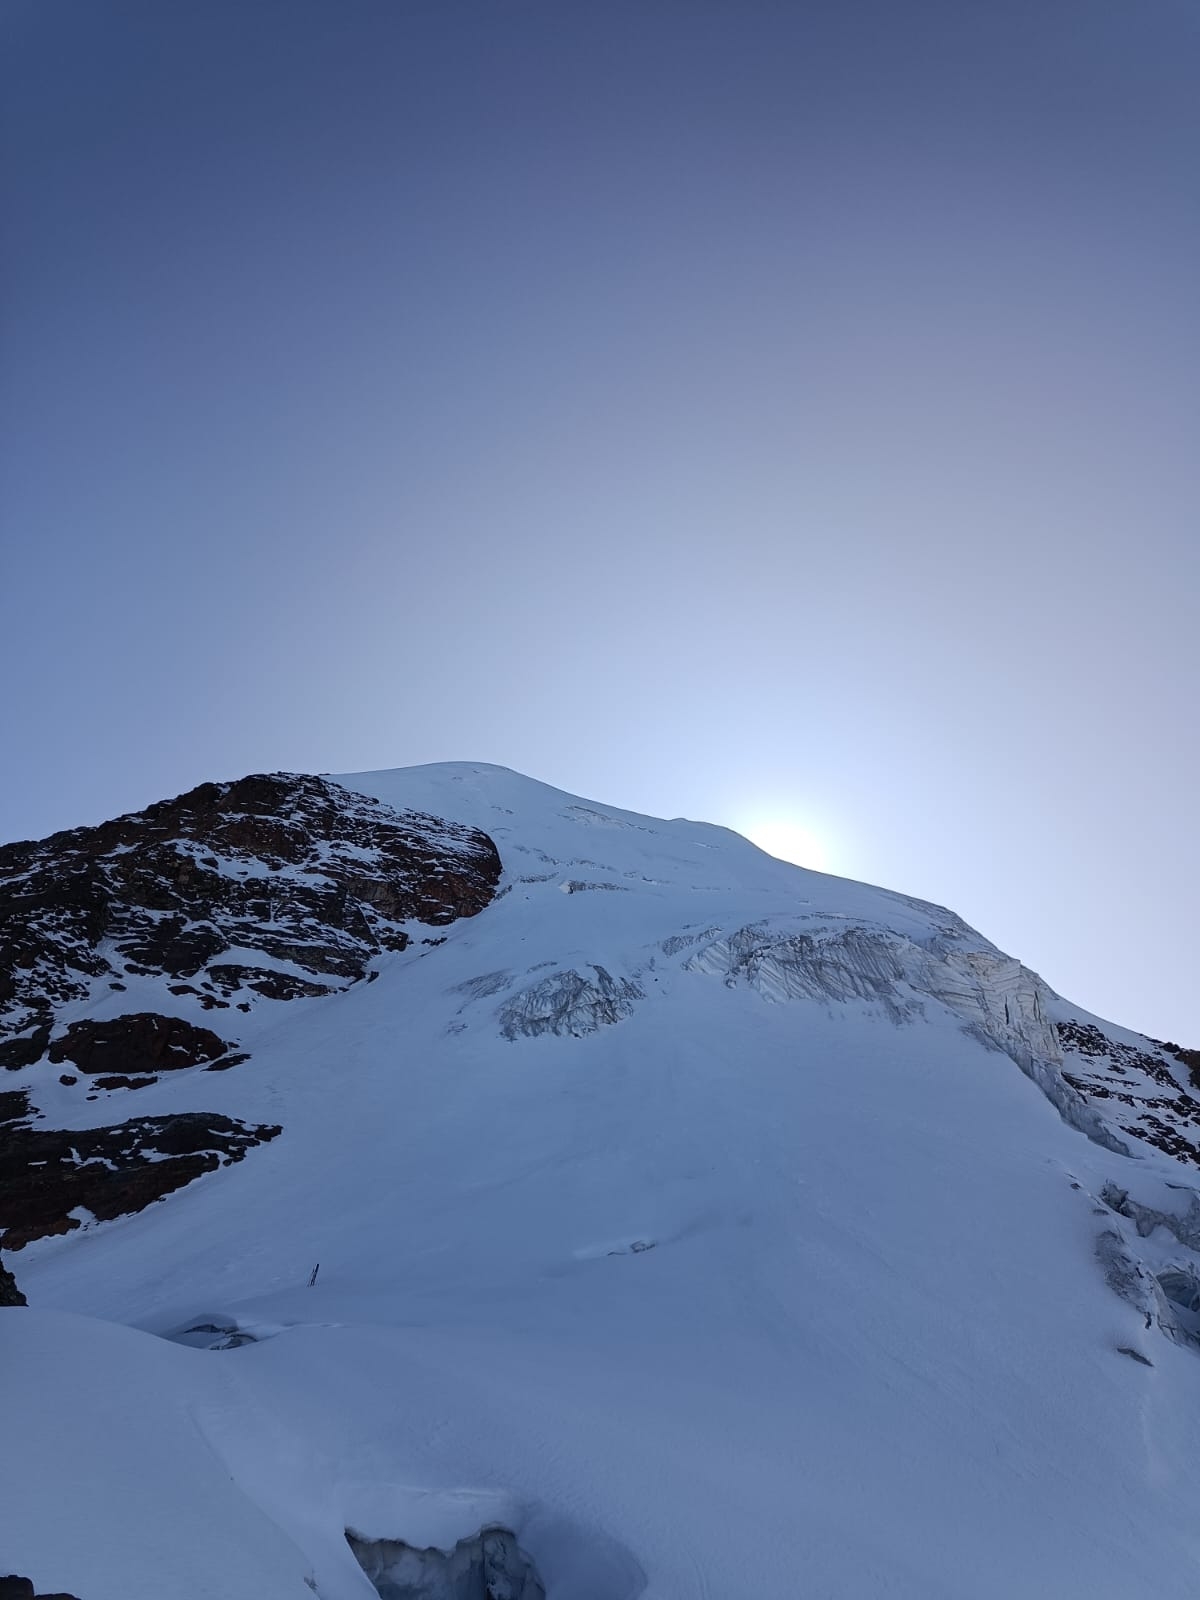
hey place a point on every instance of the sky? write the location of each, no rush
(780, 414)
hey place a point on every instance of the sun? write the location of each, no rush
(790, 840)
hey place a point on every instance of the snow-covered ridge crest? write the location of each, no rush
(786, 932)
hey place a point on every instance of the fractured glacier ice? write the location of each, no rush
(568, 1003)
(994, 997)
(490, 1566)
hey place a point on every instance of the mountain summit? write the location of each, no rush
(431, 1184)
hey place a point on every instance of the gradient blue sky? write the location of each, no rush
(750, 411)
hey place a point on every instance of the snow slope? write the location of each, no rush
(722, 1228)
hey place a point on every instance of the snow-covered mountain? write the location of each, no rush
(428, 1183)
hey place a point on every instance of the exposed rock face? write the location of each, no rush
(48, 1174)
(10, 1295)
(141, 1042)
(311, 878)
(1136, 1088)
(14, 1588)
(18, 1053)
(1188, 1058)
(271, 888)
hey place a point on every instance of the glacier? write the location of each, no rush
(744, 1232)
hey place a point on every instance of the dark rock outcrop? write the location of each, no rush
(14, 1104)
(10, 1295)
(46, 1174)
(14, 1588)
(1186, 1058)
(272, 888)
(1155, 1108)
(140, 1042)
(314, 879)
(229, 976)
(18, 1053)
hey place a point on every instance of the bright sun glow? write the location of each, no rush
(789, 840)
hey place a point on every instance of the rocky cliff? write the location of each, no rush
(124, 948)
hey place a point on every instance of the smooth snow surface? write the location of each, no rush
(698, 1218)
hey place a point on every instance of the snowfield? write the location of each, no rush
(721, 1229)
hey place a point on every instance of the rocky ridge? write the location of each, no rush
(273, 888)
(1146, 1092)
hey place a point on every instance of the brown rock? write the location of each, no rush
(10, 1295)
(18, 1053)
(274, 985)
(143, 1041)
(298, 867)
(47, 1173)
(14, 1105)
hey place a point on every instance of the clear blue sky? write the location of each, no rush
(744, 410)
